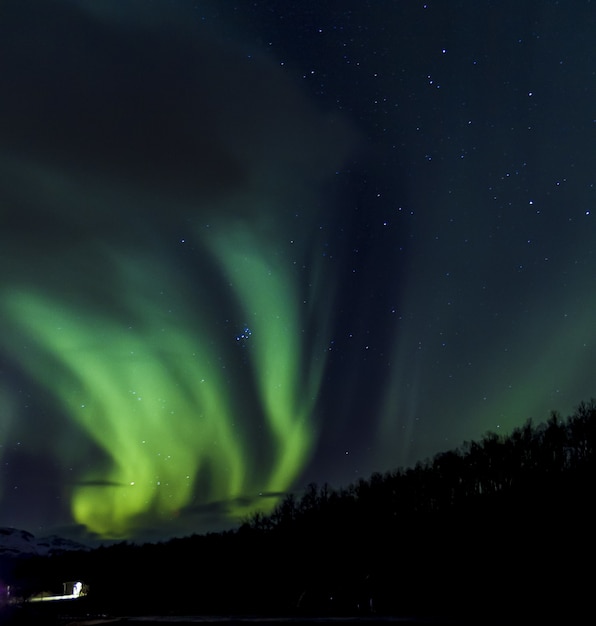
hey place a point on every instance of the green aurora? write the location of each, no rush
(247, 247)
(164, 401)
(138, 347)
(152, 396)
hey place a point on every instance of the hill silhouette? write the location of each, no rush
(496, 528)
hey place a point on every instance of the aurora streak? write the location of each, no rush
(132, 347)
(245, 247)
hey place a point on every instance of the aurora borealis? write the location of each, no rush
(243, 248)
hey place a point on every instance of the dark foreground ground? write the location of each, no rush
(35, 618)
(272, 621)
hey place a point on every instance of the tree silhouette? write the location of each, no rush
(438, 537)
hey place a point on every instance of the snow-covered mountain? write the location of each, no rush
(14, 542)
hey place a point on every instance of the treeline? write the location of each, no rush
(499, 527)
(524, 463)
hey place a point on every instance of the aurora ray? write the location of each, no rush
(128, 328)
(249, 246)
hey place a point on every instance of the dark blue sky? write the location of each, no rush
(245, 246)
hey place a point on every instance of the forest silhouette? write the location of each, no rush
(499, 528)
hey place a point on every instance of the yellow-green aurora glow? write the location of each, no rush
(154, 397)
(249, 246)
(131, 319)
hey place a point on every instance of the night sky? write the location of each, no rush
(246, 246)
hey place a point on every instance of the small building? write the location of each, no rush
(71, 590)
